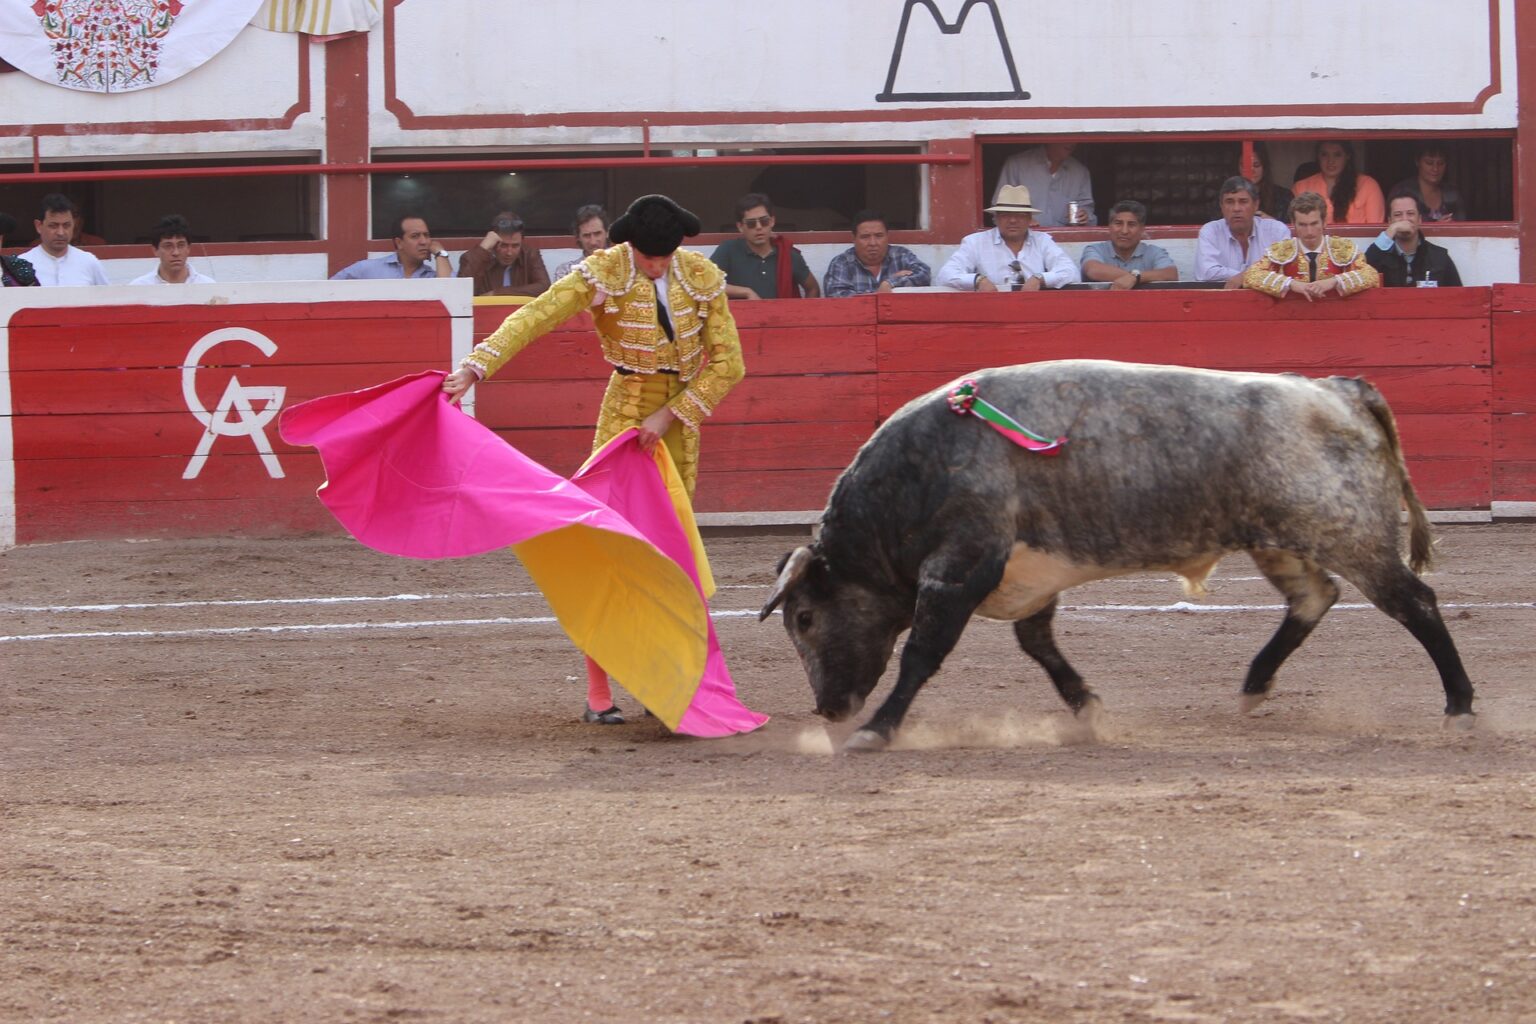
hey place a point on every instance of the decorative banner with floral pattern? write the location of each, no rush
(117, 45)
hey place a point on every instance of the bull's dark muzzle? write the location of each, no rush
(840, 711)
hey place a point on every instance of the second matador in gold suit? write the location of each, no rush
(663, 322)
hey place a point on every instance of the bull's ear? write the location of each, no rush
(791, 572)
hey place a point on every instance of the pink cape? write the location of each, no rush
(612, 549)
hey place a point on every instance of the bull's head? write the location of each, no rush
(844, 631)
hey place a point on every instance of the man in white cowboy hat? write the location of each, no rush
(1009, 257)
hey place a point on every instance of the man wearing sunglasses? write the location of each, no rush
(503, 263)
(1009, 257)
(760, 264)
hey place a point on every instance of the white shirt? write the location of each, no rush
(193, 277)
(985, 253)
(1219, 255)
(76, 267)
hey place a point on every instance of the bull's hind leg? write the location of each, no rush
(1309, 592)
(951, 584)
(1037, 640)
(1401, 594)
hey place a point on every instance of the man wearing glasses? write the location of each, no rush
(760, 264)
(503, 263)
(1009, 257)
(172, 246)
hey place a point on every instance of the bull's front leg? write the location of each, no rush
(949, 591)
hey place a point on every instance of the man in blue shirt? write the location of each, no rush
(1126, 261)
(872, 263)
(415, 255)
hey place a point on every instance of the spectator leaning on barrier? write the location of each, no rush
(53, 258)
(415, 255)
(1403, 256)
(1056, 179)
(872, 263)
(504, 263)
(755, 264)
(1009, 257)
(1229, 245)
(590, 227)
(1126, 260)
(1314, 263)
(15, 272)
(173, 246)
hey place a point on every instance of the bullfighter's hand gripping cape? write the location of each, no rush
(614, 549)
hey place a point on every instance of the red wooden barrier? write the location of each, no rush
(822, 375)
(106, 440)
(1514, 393)
(100, 439)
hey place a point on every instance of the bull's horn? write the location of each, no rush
(795, 565)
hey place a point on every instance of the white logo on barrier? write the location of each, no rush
(235, 415)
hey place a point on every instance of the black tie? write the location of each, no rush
(661, 311)
(1312, 265)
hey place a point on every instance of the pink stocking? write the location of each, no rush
(599, 696)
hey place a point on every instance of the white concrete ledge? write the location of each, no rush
(1514, 510)
(810, 518)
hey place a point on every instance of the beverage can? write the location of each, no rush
(1074, 208)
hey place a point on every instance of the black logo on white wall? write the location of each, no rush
(945, 28)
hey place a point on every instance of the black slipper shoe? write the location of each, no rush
(613, 716)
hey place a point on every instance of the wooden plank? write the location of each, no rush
(790, 490)
(422, 342)
(233, 474)
(224, 315)
(1433, 435)
(1260, 345)
(1514, 436)
(159, 390)
(1178, 306)
(507, 404)
(568, 355)
(1428, 389)
(726, 447)
(783, 313)
(1514, 387)
(1514, 481)
(150, 517)
(1452, 483)
(125, 435)
(1514, 298)
(763, 313)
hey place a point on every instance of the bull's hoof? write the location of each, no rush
(1465, 722)
(865, 741)
(1248, 703)
(1090, 711)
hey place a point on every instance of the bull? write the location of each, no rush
(1165, 468)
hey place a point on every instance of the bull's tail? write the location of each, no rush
(1420, 540)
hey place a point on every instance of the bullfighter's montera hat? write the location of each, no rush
(655, 225)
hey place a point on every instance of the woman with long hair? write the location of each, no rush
(1274, 200)
(1353, 198)
(1440, 200)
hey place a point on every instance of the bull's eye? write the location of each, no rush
(802, 620)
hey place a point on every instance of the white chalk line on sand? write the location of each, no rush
(124, 606)
(529, 620)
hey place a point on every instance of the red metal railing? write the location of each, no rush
(449, 166)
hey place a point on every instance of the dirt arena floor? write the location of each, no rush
(299, 781)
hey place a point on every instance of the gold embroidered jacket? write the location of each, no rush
(1283, 262)
(706, 353)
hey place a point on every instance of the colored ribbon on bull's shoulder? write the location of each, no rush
(963, 399)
